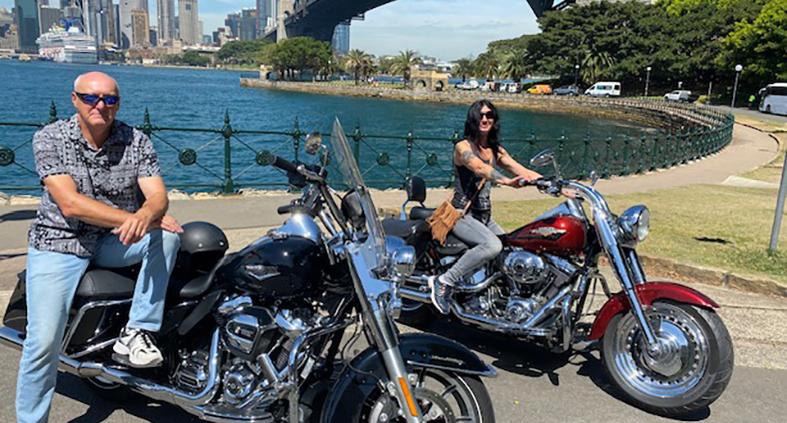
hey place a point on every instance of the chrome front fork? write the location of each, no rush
(628, 270)
(373, 295)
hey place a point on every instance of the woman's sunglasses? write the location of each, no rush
(92, 99)
(488, 115)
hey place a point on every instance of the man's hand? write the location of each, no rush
(167, 223)
(509, 182)
(135, 227)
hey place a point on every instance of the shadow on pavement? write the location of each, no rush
(18, 215)
(100, 409)
(520, 357)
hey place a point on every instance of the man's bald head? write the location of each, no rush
(86, 81)
(96, 118)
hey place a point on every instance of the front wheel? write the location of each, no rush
(443, 396)
(691, 370)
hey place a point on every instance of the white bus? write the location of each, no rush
(773, 98)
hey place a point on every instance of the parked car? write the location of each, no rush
(566, 90)
(540, 89)
(682, 96)
(492, 86)
(604, 89)
(469, 85)
(510, 87)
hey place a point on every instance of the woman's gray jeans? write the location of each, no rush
(483, 238)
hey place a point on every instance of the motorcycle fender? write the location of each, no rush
(359, 379)
(647, 294)
(16, 313)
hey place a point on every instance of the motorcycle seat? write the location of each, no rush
(421, 213)
(405, 229)
(106, 283)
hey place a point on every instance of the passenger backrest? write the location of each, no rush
(416, 189)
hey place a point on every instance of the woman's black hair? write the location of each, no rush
(474, 121)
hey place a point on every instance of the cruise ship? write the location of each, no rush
(67, 46)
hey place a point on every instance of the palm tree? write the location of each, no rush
(403, 64)
(487, 65)
(516, 64)
(357, 60)
(463, 67)
(595, 64)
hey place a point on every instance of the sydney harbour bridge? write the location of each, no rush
(318, 18)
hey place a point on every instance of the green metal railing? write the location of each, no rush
(188, 161)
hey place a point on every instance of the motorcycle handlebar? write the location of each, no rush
(282, 163)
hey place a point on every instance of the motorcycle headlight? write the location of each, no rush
(635, 223)
(400, 256)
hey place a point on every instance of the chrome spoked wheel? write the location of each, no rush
(690, 368)
(443, 397)
(679, 365)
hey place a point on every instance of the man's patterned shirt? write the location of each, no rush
(108, 175)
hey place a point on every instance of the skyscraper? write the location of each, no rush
(341, 38)
(233, 23)
(263, 15)
(248, 24)
(140, 28)
(166, 20)
(48, 16)
(189, 22)
(127, 32)
(29, 28)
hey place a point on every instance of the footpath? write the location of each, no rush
(754, 320)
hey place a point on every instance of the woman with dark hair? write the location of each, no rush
(475, 159)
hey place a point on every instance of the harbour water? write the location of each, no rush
(197, 98)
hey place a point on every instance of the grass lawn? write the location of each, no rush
(761, 124)
(771, 172)
(721, 227)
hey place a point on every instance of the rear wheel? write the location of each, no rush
(691, 370)
(443, 396)
(768, 108)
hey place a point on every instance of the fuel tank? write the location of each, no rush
(276, 268)
(561, 235)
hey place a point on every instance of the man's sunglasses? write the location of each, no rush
(92, 99)
(488, 115)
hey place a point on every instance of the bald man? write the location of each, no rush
(91, 167)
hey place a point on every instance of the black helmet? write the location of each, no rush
(200, 237)
(202, 245)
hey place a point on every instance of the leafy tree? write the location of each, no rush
(357, 61)
(761, 46)
(516, 64)
(403, 64)
(300, 53)
(192, 58)
(385, 64)
(241, 51)
(463, 67)
(487, 64)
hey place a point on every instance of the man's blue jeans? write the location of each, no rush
(52, 280)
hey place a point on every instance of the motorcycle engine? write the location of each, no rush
(258, 339)
(532, 279)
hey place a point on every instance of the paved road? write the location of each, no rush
(533, 385)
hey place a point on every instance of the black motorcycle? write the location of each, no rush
(259, 335)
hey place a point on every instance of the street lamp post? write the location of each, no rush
(647, 80)
(738, 69)
(576, 74)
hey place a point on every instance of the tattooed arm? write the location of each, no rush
(508, 163)
(463, 156)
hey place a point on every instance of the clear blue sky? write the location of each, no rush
(448, 29)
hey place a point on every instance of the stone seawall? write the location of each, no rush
(655, 113)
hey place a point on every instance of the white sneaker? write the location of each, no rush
(440, 294)
(136, 346)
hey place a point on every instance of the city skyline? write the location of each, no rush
(448, 29)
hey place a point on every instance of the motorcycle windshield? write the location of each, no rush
(344, 160)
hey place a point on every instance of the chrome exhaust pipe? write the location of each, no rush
(13, 338)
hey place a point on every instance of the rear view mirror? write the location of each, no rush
(544, 158)
(313, 143)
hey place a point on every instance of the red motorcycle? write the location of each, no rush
(662, 344)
